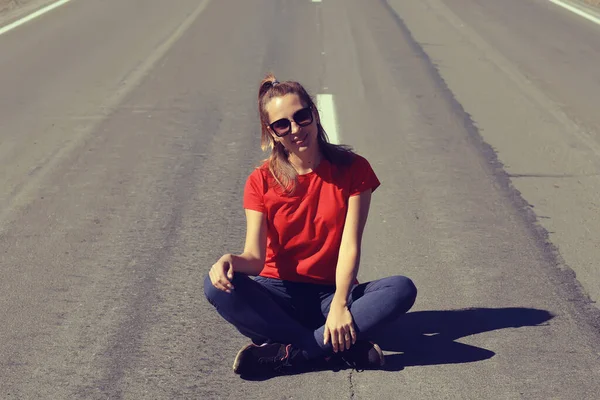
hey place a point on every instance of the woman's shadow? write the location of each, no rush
(428, 337)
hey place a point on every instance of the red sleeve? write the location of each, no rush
(254, 192)
(362, 177)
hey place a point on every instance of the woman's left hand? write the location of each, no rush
(339, 328)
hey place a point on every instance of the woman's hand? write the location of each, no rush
(339, 328)
(221, 273)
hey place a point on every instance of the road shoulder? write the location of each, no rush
(551, 163)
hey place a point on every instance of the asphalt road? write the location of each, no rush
(127, 130)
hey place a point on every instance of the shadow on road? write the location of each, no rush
(428, 337)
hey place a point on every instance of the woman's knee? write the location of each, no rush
(213, 295)
(216, 296)
(210, 291)
(404, 291)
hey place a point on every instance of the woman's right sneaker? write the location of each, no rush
(269, 358)
(363, 355)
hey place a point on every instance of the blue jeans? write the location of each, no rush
(295, 313)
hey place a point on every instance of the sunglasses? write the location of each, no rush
(283, 126)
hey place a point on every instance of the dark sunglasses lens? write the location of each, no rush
(303, 117)
(280, 127)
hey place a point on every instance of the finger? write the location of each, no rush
(213, 277)
(353, 334)
(335, 341)
(326, 336)
(347, 339)
(220, 286)
(225, 284)
(219, 281)
(342, 340)
(230, 271)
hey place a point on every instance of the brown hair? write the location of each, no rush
(279, 165)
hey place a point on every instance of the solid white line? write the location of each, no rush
(577, 11)
(32, 16)
(328, 119)
(316, 1)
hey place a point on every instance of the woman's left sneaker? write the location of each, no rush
(269, 358)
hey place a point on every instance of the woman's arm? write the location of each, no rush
(339, 327)
(349, 253)
(251, 261)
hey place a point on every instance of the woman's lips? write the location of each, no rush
(300, 141)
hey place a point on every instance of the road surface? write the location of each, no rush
(127, 130)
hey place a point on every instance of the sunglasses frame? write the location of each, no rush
(289, 130)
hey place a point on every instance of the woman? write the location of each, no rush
(306, 208)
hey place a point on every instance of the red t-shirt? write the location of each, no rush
(304, 229)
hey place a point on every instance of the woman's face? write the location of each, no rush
(293, 121)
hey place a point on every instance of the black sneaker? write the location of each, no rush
(269, 358)
(363, 355)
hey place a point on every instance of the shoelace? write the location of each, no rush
(278, 362)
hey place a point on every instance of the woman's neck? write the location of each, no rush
(305, 163)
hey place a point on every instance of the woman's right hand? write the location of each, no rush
(221, 273)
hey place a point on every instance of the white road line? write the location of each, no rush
(316, 1)
(32, 16)
(327, 114)
(576, 10)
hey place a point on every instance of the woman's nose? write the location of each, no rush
(294, 127)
